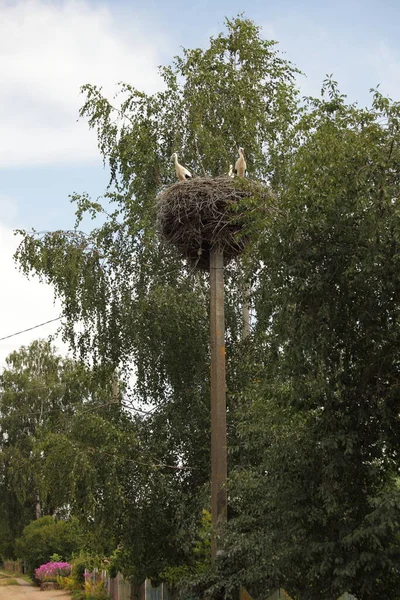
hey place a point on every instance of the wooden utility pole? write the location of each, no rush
(218, 398)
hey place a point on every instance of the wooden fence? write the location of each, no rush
(281, 594)
(13, 566)
(121, 589)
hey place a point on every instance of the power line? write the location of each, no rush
(76, 408)
(58, 411)
(29, 329)
(190, 271)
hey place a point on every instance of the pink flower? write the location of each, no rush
(49, 571)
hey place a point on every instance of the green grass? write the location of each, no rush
(7, 576)
(8, 581)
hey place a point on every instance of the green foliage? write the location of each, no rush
(81, 587)
(55, 557)
(67, 583)
(138, 302)
(7, 581)
(315, 492)
(180, 578)
(46, 536)
(92, 591)
(41, 395)
(313, 418)
(118, 280)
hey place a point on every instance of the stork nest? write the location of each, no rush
(199, 214)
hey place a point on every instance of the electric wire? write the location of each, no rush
(7, 337)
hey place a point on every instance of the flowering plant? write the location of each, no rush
(51, 570)
(95, 590)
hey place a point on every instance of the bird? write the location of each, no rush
(240, 166)
(230, 174)
(181, 172)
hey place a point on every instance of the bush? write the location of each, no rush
(52, 570)
(67, 583)
(44, 537)
(85, 560)
(92, 591)
(79, 571)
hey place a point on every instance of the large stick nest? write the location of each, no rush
(199, 214)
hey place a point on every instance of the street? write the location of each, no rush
(29, 592)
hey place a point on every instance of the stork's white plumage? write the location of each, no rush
(240, 166)
(181, 172)
(230, 174)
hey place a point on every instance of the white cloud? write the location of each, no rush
(47, 51)
(23, 303)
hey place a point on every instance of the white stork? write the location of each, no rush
(230, 174)
(240, 166)
(181, 172)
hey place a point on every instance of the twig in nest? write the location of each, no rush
(198, 214)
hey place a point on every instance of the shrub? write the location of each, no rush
(52, 570)
(85, 560)
(67, 583)
(44, 537)
(92, 591)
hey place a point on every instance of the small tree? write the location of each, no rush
(46, 536)
(40, 394)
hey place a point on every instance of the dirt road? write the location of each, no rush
(28, 592)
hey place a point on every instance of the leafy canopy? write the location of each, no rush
(316, 484)
(313, 394)
(135, 300)
(118, 280)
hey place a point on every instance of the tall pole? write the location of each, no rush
(218, 399)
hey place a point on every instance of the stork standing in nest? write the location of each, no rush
(181, 172)
(240, 166)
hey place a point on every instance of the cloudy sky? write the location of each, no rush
(49, 48)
